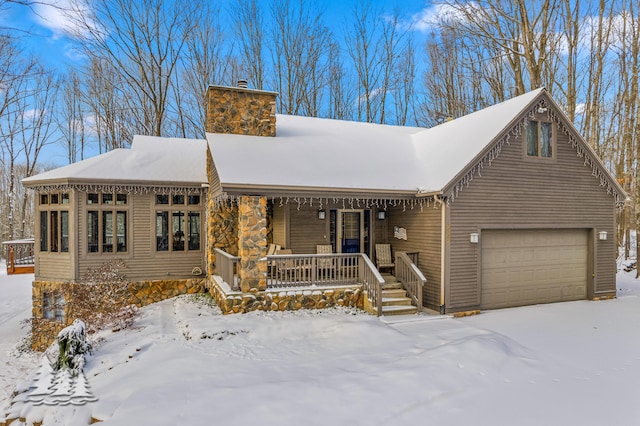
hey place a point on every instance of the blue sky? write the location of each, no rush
(44, 35)
(44, 26)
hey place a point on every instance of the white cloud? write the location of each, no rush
(72, 52)
(58, 16)
(31, 114)
(429, 17)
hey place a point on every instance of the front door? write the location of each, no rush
(352, 231)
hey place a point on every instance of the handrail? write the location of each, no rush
(225, 265)
(372, 282)
(411, 277)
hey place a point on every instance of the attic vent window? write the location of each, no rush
(540, 139)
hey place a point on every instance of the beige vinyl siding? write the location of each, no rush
(142, 261)
(55, 266)
(424, 236)
(521, 193)
(305, 229)
(380, 230)
(279, 225)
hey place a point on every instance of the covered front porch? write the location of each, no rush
(247, 275)
(315, 281)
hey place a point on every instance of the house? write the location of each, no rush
(504, 207)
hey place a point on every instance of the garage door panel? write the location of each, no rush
(526, 267)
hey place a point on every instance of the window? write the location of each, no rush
(540, 139)
(54, 223)
(44, 231)
(107, 223)
(178, 227)
(53, 306)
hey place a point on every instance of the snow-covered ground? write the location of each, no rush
(184, 363)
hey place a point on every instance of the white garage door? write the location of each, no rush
(527, 267)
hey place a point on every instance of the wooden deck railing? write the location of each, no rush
(225, 267)
(20, 256)
(372, 282)
(305, 270)
(410, 276)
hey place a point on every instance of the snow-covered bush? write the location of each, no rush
(70, 348)
(102, 298)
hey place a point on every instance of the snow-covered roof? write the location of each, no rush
(322, 153)
(322, 156)
(151, 161)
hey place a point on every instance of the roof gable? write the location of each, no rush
(541, 102)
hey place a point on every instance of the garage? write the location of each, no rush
(526, 267)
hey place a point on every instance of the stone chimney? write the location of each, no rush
(240, 110)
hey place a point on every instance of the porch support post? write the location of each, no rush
(252, 243)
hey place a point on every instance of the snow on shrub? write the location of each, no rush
(70, 348)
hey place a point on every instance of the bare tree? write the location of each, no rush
(206, 60)
(300, 45)
(340, 96)
(249, 29)
(109, 112)
(71, 117)
(144, 41)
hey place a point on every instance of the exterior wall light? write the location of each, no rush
(474, 237)
(602, 235)
(321, 214)
(382, 215)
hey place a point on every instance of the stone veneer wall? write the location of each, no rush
(240, 111)
(222, 231)
(252, 243)
(142, 293)
(284, 300)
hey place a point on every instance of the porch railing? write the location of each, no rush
(19, 255)
(372, 282)
(305, 270)
(410, 276)
(226, 266)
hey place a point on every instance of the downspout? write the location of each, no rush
(443, 240)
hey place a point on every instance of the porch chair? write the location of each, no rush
(288, 269)
(383, 258)
(272, 249)
(326, 267)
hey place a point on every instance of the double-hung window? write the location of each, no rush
(178, 222)
(107, 226)
(540, 139)
(54, 222)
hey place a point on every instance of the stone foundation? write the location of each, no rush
(231, 302)
(142, 293)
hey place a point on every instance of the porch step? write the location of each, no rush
(394, 298)
(399, 310)
(396, 301)
(394, 293)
